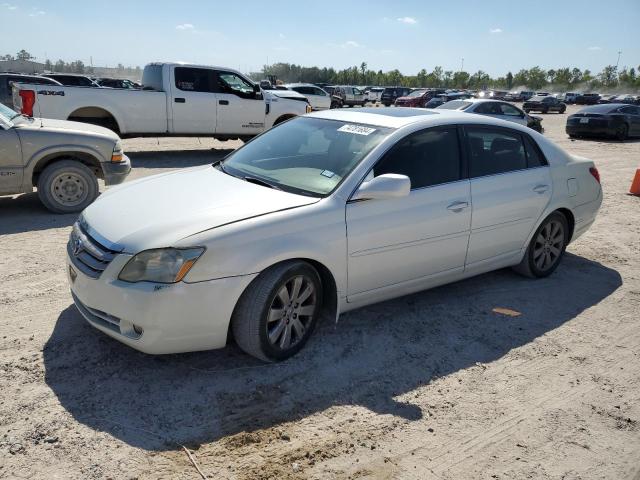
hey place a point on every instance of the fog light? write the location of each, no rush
(137, 329)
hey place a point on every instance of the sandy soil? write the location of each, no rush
(430, 386)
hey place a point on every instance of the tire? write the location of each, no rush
(263, 321)
(622, 132)
(546, 110)
(562, 109)
(67, 186)
(540, 260)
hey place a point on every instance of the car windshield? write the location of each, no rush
(7, 114)
(455, 105)
(417, 93)
(308, 156)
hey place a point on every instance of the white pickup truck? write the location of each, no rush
(177, 99)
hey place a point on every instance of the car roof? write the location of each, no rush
(399, 117)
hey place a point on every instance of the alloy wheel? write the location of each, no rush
(291, 312)
(548, 245)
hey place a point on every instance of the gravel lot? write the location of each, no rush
(430, 386)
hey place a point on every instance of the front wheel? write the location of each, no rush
(546, 248)
(277, 313)
(622, 132)
(67, 186)
(562, 109)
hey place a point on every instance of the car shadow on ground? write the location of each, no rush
(25, 213)
(595, 139)
(368, 358)
(177, 158)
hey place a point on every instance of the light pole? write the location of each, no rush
(462, 65)
(618, 61)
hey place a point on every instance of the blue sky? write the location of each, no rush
(495, 36)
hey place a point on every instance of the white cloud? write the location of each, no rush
(350, 44)
(407, 20)
(185, 26)
(9, 7)
(594, 49)
(37, 13)
(495, 30)
(281, 36)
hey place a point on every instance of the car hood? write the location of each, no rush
(160, 210)
(286, 94)
(56, 126)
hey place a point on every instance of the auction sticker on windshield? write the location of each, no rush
(357, 129)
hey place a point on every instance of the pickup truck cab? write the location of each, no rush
(62, 159)
(176, 99)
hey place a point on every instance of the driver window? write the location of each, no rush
(429, 157)
(231, 83)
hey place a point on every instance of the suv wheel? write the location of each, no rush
(277, 313)
(67, 186)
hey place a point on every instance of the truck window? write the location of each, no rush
(194, 79)
(231, 83)
(152, 77)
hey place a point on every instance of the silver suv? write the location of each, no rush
(62, 159)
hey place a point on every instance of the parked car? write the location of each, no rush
(350, 96)
(544, 104)
(626, 98)
(375, 94)
(519, 95)
(336, 100)
(609, 98)
(493, 94)
(418, 97)
(71, 80)
(587, 99)
(176, 99)
(318, 98)
(391, 94)
(8, 79)
(570, 97)
(496, 109)
(279, 234)
(446, 97)
(62, 159)
(117, 83)
(616, 120)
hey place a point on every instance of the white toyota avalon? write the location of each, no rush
(320, 215)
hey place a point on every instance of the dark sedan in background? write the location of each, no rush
(544, 105)
(588, 99)
(391, 94)
(616, 120)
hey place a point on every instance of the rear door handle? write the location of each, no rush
(540, 188)
(179, 100)
(223, 102)
(457, 207)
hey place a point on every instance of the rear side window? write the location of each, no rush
(429, 157)
(534, 155)
(494, 151)
(194, 79)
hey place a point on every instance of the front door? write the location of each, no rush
(193, 101)
(397, 241)
(240, 110)
(510, 187)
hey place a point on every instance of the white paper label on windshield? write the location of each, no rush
(357, 129)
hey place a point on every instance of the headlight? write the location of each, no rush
(117, 155)
(161, 265)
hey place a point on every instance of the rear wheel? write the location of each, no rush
(277, 313)
(546, 248)
(622, 132)
(562, 109)
(67, 186)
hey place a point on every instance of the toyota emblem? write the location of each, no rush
(77, 246)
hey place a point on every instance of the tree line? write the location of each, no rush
(534, 78)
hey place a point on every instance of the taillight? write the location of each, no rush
(28, 99)
(594, 171)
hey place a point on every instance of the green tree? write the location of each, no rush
(24, 55)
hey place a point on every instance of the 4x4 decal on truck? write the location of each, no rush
(253, 125)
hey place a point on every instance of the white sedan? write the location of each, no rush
(318, 98)
(320, 215)
(496, 109)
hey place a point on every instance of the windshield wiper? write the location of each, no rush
(264, 183)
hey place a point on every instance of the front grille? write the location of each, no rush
(89, 256)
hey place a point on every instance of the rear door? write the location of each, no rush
(240, 110)
(510, 187)
(11, 165)
(193, 100)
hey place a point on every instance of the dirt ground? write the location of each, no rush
(430, 386)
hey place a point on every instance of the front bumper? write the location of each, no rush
(157, 318)
(115, 173)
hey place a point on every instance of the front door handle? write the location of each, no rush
(223, 102)
(179, 100)
(457, 207)
(540, 189)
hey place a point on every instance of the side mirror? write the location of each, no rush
(389, 185)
